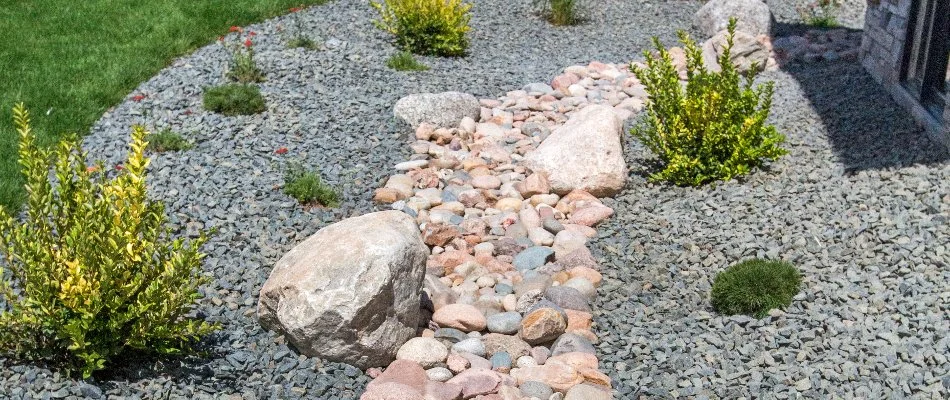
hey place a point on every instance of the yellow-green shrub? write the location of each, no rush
(90, 271)
(714, 128)
(426, 26)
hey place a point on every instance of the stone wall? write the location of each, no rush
(882, 52)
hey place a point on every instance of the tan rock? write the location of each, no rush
(584, 153)
(463, 317)
(559, 376)
(534, 184)
(587, 273)
(578, 320)
(542, 325)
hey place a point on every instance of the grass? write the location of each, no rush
(234, 99)
(302, 42)
(307, 188)
(69, 61)
(561, 12)
(824, 22)
(754, 287)
(404, 61)
(167, 140)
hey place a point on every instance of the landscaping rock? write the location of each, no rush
(318, 293)
(427, 352)
(747, 51)
(443, 110)
(542, 325)
(753, 17)
(585, 153)
(463, 317)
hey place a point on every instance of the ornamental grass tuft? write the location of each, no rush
(91, 272)
(404, 61)
(560, 12)
(234, 99)
(714, 127)
(753, 287)
(167, 140)
(307, 188)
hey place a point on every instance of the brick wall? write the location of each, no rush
(882, 52)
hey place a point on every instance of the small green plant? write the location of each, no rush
(821, 13)
(298, 38)
(436, 27)
(306, 187)
(167, 140)
(560, 12)
(753, 287)
(243, 68)
(404, 61)
(91, 271)
(714, 128)
(234, 99)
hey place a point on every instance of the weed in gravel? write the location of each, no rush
(234, 99)
(167, 140)
(560, 12)
(307, 188)
(404, 61)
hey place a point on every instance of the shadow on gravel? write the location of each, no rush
(865, 127)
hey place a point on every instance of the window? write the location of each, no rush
(927, 71)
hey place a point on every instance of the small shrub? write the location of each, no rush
(404, 61)
(167, 140)
(714, 128)
(560, 12)
(298, 38)
(243, 68)
(307, 187)
(91, 271)
(821, 13)
(435, 27)
(754, 287)
(234, 99)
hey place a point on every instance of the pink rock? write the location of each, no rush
(486, 182)
(559, 376)
(576, 359)
(463, 317)
(476, 382)
(457, 363)
(587, 273)
(425, 131)
(476, 362)
(578, 258)
(440, 234)
(535, 183)
(561, 82)
(402, 372)
(592, 215)
(442, 391)
(391, 391)
(582, 229)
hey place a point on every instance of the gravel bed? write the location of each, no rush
(332, 110)
(861, 206)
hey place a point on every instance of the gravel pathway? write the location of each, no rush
(860, 205)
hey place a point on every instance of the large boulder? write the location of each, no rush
(444, 110)
(753, 15)
(747, 51)
(585, 153)
(351, 292)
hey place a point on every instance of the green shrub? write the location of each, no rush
(821, 13)
(302, 42)
(234, 99)
(167, 140)
(560, 12)
(307, 187)
(714, 128)
(754, 287)
(404, 61)
(91, 269)
(426, 26)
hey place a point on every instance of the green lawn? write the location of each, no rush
(70, 60)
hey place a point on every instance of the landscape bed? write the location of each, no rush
(860, 217)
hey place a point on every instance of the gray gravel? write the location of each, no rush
(332, 110)
(861, 206)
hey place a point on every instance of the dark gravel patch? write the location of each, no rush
(332, 110)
